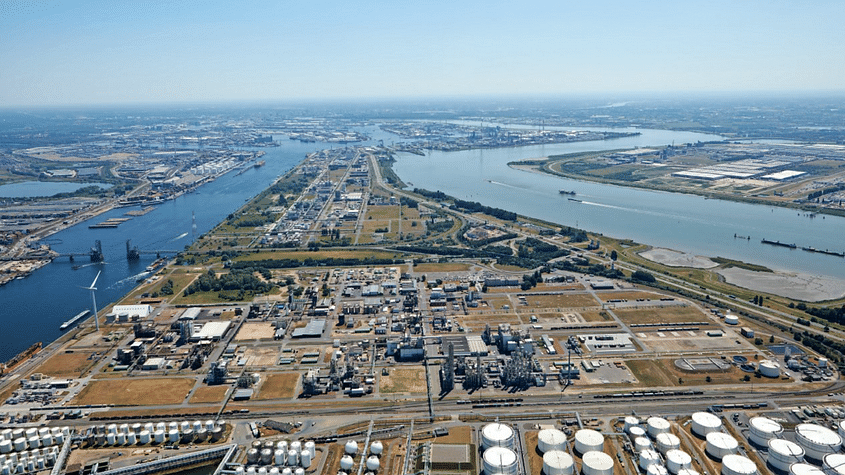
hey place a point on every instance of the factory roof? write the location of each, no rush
(212, 331)
(314, 329)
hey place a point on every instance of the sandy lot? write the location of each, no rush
(255, 331)
(136, 392)
(810, 288)
(671, 258)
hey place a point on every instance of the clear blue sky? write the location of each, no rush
(127, 51)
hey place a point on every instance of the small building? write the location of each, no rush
(153, 364)
(142, 311)
(747, 332)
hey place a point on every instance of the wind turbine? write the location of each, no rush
(94, 299)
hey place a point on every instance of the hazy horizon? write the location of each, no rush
(101, 53)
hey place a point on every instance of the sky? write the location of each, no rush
(128, 51)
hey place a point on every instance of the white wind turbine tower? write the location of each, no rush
(94, 299)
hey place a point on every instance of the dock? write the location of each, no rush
(109, 223)
(778, 243)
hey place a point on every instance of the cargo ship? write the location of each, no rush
(778, 243)
(75, 319)
(259, 164)
(566, 192)
(829, 253)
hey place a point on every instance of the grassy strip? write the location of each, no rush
(724, 261)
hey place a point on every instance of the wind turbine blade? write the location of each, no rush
(95, 279)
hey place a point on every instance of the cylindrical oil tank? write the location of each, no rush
(47, 439)
(762, 430)
(6, 434)
(648, 458)
(150, 427)
(667, 441)
(551, 439)
(280, 457)
(251, 471)
(588, 440)
(43, 431)
(834, 464)
(769, 369)
(209, 425)
(100, 439)
(657, 469)
(597, 463)
(642, 443)
(704, 423)
(136, 427)
(287, 471)
(282, 444)
(161, 426)
(805, 469)
(373, 463)
(274, 471)
(111, 438)
(30, 465)
(17, 433)
(657, 425)
(297, 445)
(377, 447)
(268, 444)
(172, 426)
(636, 431)
(34, 442)
(196, 425)
(783, 453)
(252, 456)
(499, 460)
(121, 438)
(5, 446)
(305, 458)
(266, 456)
(351, 447)
(734, 464)
(144, 437)
(299, 471)
(497, 435)
(346, 463)
(123, 428)
(262, 470)
(5, 469)
(631, 421)
(293, 458)
(216, 434)
(159, 436)
(201, 434)
(817, 440)
(173, 435)
(312, 447)
(111, 429)
(720, 444)
(40, 464)
(187, 435)
(558, 462)
(677, 460)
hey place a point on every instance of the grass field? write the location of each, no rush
(561, 301)
(672, 314)
(135, 392)
(403, 380)
(209, 394)
(278, 386)
(321, 254)
(71, 365)
(442, 267)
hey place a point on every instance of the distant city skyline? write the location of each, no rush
(107, 52)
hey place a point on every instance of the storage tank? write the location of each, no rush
(834, 464)
(373, 463)
(149, 427)
(111, 438)
(305, 458)
(642, 443)
(763, 429)
(677, 460)
(201, 434)
(196, 425)
(667, 441)
(704, 423)
(351, 447)
(187, 435)
(636, 431)
(172, 426)
(588, 440)
(499, 460)
(631, 421)
(597, 463)
(216, 434)
(266, 456)
(251, 471)
(720, 444)
(34, 442)
(783, 453)
(110, 429)
(6, 434)
(252, 456)
(346, 463)
(262, 471)
(282, 444)
(274, 471)
(817, 440)
(734, 464)
(731, 319)
(135, 428)
(17, 434)
(46, 440)
(551, 439)
(805, 469)
(558, 462)
(124, 428)
(161, 426)
(299, 471)
(209, 425)
(657, 425)
(121, 438)
(293, 458)
(769, 369)
(144, 437)
(173, 435)
(158, 436)
(312, 447)
(280, 457)
(43, 431)
(5, 446)
(131, 438)
(648, 458)
(376, 447)
(657, 469)
(287, 471)
(297, 445)
(497, 435)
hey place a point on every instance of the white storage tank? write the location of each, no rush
(346, 463)
(172, 426)
(677, 460)
(297, 445)
(5, 446)
(216, 434)
(642, 443)
(161, 426)
(287, 471)
(252, 456)
(667, 441)
(131, 438)
(769, 369)
(136, 427)
(144, 437)
(704, 423)
(159, 436)
(111, 429)
(305, 458)
(636, 431)
(149, 427)
(373, 463)
(597, 463)
(312, 447)
(731, 319)
(121, 438)
(376, 447)
(6, 434)
(558, 462)
(209, 425)
(201, 434)
(631, 421)
(46, 440)
(173, 435)
(282, 444)
(657, 425)
(763, 429)
(196, 425)
(274, 471)
(551, 439)
(293, 458)
(111, 438)
(588, 440)
(783, 453)
(497, 435)
(499, 460)
(648, 458)
(280, 457)
(841, 429)
(351, 447)
(834, 464)
(817, 440)
(720, 444)
(266, 456)
(734, 464)
(123, 428)
(805, 469)
(657, 469)
(262, 471)
(299, 471)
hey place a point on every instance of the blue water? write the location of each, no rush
(30, 189)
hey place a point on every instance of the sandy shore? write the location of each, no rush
(810, 288)
(671, 258)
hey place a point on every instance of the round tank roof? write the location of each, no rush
(765, 425)
(785, 448)
(589, 437)
(497, 431)
(557, 459)
(835, 463)
(805, 469)
(551, 437)
(706, 419)
(499, 457)
(678, 456)
(597, 460)
(722, 440)
(637, 431)
(658, 423)
(688, 471)
(737, 464)
(818, 434)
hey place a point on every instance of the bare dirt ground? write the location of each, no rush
(810, 288)
(671, 258)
